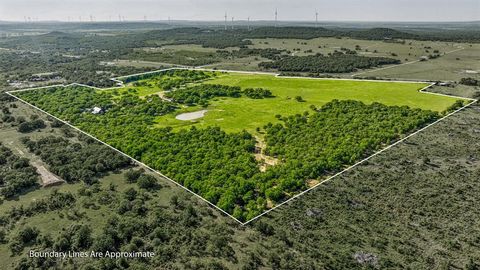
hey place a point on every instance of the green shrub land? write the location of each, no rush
(16, 173)
(222, 166)
(77, 161)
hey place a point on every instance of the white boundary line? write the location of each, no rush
(122, 85)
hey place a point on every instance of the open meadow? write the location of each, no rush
(236, 114)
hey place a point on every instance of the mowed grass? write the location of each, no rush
(236, 114)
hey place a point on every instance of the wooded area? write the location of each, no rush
(221, 166)
(16, 173)
(336, 63)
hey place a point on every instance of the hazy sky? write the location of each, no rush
(331, 10)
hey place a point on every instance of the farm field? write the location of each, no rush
(237, 114)
(246, 128)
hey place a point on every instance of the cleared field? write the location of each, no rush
(453, 66)
(236, 114)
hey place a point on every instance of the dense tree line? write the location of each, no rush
(16, 173)
(75, 162)
(173, 77)
(269, 53)
(257, 93)
(292, 32)
(240, 37)
(336, 63)
(200, 94)
(381, 34)
(221, 166)
(178, 57)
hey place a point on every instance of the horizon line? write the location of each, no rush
(240, 20)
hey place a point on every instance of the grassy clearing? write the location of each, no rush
(453, 66)
(236, 114)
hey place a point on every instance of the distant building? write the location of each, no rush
(97, 110)
(444, 83)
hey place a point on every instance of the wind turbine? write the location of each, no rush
(232, 21)
(316, 18)
(248, 23)
(276, 14)
(225, 20)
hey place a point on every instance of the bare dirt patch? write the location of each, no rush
(265, 160)
(48, 178)
(191, 115)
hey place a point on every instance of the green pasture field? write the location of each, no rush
(236, 114)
